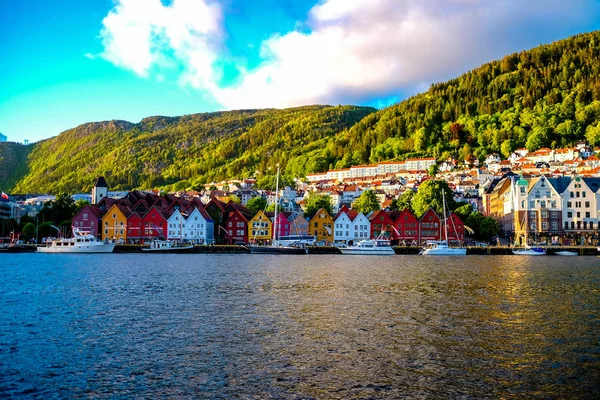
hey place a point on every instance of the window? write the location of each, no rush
(569, 204)
(582, 194)
(555, 225)
(566, 225)
(569, 214)
(85, 216)
(114, 216)
(587, 204)
(544, 226)
(587, 214)
(578, 214)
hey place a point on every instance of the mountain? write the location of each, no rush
(177, 152)
(548, 96)
(545, 97)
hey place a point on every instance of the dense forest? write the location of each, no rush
(545, 97)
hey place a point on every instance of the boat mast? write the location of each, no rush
(445, 220)
(275, 220)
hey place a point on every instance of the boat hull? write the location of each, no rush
(445, 252)
(528, 252)
(184, 249)
(84, 248)
(276, 250)
(368, 252)
(565, 253)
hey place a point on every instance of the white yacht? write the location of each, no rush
(379, 247)
(81, 242)
(529, 251)
(441, 247)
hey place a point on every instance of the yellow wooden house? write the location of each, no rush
(260, 227)
(321, 226)
(114, 223)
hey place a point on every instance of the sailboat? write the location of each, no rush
(276, 247)
(441, 247)
(528, 250)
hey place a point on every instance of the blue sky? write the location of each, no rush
(70, 62)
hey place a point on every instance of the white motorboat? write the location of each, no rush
(81, 242)
(379, 247)
(566, 253)
(529, 251)
(166, 246)
(441, 248)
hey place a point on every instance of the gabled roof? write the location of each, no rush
(593, 183)
(560, 183)
(100, 182)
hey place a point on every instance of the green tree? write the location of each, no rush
(314, 202)
(235, 199)
(474, 222)
(429, 195)
(366, 202)
(488, 228)
(256, 204)
(28, 231)
(433, 170)
(464, 211)
(404, 201)
(60, 209)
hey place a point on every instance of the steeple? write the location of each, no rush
(100, 190)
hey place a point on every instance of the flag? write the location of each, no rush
(4, 197)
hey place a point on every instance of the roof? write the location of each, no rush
(559, 184)
(100, 182)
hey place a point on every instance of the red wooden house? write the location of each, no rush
(135, 230)
(381, 221)
(154, 224)
(237, 227)
(430, 226)
(283, 225)
(88, 219)
(456, 228)
(406, 226)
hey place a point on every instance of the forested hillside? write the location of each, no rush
(13, 163)
(545, 97)
(183, 152)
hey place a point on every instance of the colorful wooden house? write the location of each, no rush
(88, 219)
(237, 228)
(406, 226)
(218, 213)
(456, 228)
(429, 226)
(298, 224)
(260, 227)
(134, 228)
(154, 224)
(283, 224)
(114, 223)
(382, 222)
(321, 226)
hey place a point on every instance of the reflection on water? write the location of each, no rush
(298, 327)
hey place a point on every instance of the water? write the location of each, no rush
(246, 326)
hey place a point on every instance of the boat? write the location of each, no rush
(276, 247)
(529, 251)
(566, 253)
(168, 247)
(81, 242)
(441, 247)
(370, 247)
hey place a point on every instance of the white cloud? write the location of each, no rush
(140, 34)
(355, 49)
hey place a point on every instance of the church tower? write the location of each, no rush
(100, 190)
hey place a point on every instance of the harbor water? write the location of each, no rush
(312, 326)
